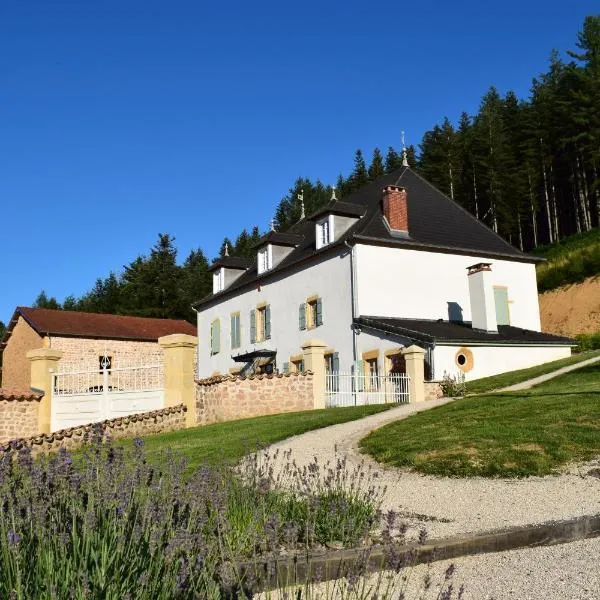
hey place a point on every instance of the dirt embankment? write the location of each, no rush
(572, 309)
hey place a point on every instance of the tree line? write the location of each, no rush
(528, 168)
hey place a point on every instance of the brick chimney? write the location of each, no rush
(395, 208)
(481, 293)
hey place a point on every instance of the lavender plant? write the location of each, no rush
(110, 525)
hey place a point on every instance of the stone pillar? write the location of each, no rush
(415, 369)
(314, 360)
(179, 359)
(44, 362)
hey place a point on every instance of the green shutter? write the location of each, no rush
(286, 367)
(335, 371)
(232, 331)
(268, 322)
(235, 331)
(217, 337)
(501, 301)
(302, 316)
(319, 312)
(253, 327)
(212, 338)
(360, 375)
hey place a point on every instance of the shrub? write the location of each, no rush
(588, 341)
(109, 525)
(453, 385)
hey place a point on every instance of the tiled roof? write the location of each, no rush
(10, 394)
(282, 239)
(441, 331)
(435, 223)
(46, 321)
(231, 262)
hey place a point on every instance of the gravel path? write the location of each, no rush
(525, 385)
(447, 506)
(561, 572)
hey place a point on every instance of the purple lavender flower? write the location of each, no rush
(13, 538)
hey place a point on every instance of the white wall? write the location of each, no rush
(329, 279)
(491, 360)
(396, 282)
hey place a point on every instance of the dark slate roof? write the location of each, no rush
(47, 321)
(282, 239)
(232, 262)
(337, 207)
(459, 332)
(435, 223)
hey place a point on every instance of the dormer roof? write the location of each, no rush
(231, 262)
(437, 224)
(338, 207)
(279, 239)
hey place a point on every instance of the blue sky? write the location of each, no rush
(123, 119)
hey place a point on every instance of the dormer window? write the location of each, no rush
(218, 280)
(324, 232)
(264, 259)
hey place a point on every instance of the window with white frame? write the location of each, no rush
(218, 280)
(324, 233)
(264, 260)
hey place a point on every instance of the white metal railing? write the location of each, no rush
(351, 389)
(83, 379)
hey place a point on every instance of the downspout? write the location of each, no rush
(353, 299)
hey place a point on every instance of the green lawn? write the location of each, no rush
(487, 384)
(506, 434)
(224, 442)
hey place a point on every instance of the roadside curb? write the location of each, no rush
(327, 566)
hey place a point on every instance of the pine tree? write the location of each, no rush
(376, 169)
(43, 301)
(392, 160)
(360, 175)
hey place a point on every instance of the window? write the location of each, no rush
(105, 362)
(368, 371)
(264, 259)
(296, 364)
(332, 371)
(235, 330)
(310, 314)
(218, 280)
(324, 236)
(501, 301)
(371, 374)
(215, 337)
(260, 324)
(464, 359)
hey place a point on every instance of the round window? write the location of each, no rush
(464, 359)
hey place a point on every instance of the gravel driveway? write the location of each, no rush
(447, 506)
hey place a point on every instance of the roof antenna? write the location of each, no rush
(301, 198)
(404, 159)
(226, 249)
(333, 192)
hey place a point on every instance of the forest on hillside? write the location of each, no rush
(528, 168)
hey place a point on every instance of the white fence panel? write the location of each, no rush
(356, 389)
(87, 395)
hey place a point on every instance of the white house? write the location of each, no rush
(396, 263)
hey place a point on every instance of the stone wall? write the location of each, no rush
(157, 421)
(15, 366)
(87, 351)
(18, 414)
(433, 390)
(228, 398)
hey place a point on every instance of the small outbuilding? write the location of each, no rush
(86, 338)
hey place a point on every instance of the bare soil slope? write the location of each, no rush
(572, 309)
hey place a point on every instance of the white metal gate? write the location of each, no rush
(352, 389)
(82, 395)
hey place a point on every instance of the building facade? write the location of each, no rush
(397, 263)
